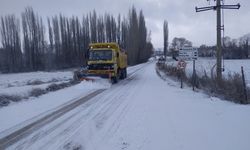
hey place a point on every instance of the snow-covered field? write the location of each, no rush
(206, 64)
(22, 83)
(142, 112)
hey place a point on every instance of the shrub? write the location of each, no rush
(14, 98)
(37, 92)
(4, 102)
(55, 87)
(230, 88)
(35, 82)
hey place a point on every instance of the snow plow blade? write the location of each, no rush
(92, 79)
(86, 79)
(82, 75)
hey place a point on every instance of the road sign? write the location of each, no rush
(186, 53)
(181, 65)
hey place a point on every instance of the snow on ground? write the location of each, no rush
(25, 112)
(206, 64)
(20, 79)
(158, 115)
(20, 114)
(21, 84)
(144, 112)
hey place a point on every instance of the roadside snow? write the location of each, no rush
(20, 84)
(21, 79)
(146, 113)
(206, 64)
(19, 115)
(158, 115)
(142, 112)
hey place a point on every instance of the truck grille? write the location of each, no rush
(100, 67)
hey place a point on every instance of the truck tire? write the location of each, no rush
(125, 73)
(114, 79)
(121, 74)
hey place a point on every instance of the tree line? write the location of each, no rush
(235, 49)
(30, 44)
(231, 49)
(177, 43)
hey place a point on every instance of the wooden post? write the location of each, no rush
(194, 75)
(181, 78)
(244, 85)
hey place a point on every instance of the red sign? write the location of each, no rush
(181, 64)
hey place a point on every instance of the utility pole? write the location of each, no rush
(218, 8)
(218, 47)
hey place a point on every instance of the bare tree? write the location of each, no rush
(142, 55)
(133, 34)
(10, 33)
(34, 41)
(100, 30)
(165, 37)
(118, 30)
(93, 26)
(124, 33)
(68, 39)
(180, 42)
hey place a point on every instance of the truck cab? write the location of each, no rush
(107, 60)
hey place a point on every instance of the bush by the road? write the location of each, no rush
(230, 88)
(36, 92)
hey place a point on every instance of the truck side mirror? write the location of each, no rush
(117, 54)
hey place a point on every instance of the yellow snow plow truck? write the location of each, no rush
(106, 60)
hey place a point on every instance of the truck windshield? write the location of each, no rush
(100, 55)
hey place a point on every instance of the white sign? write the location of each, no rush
(188, 53)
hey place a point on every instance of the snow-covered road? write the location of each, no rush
(144, 112)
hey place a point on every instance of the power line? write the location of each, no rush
(218, 7)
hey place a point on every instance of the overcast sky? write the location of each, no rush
(180, 14)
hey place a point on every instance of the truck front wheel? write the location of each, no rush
(125, 73)
(114, 79)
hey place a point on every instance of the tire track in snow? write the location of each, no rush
(108, 103)
(23, 132)
(6, 142)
